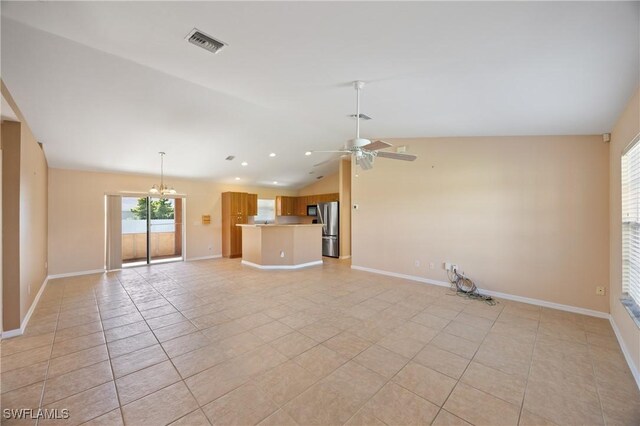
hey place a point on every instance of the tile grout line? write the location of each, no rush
(113, 376)
(46, 375)
(597, 382)
(459, 380)
(182, 380)
(407, 363)
(533, 351)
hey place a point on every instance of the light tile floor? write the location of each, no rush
(212, 342)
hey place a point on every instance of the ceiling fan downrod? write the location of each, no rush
(358, 86)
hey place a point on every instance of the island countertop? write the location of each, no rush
(275, 225)
(285, 246)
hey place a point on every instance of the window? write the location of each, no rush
(266, 211)
(631, 222)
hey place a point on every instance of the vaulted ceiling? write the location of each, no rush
(106, 85)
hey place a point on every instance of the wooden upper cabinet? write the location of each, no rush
(301, 206)
(325, 198)
(239, 203)
(252, 204)
(285, 206)
(297, 206)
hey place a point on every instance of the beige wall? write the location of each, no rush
(625, 130)
(526, 216)
(24, 218)
(33, 220)
(327, 185)
(77, 214)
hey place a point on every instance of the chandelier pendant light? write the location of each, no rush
(163, 189)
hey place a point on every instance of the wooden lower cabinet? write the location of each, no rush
(232, 235)
(236, 207)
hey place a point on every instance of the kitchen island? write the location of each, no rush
(281, 246)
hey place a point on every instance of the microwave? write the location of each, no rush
(312, 210)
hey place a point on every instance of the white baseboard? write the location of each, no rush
(12, 333)
(507, 296)
(301, 265)
(546, 304)
(75, 274)
(25, 321)
(405, 276)
(214, 256)
(625, 351)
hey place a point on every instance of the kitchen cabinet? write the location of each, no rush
(301, 205)
(326, 198)
(285, 206)
(252, 204)
(236, 207)
(297, 206)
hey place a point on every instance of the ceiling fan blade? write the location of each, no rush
(342, 151)
(397, 156)
(374, 146)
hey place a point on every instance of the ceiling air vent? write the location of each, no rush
(231, 157)
(209, 43)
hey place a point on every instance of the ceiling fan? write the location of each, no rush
(363, 150)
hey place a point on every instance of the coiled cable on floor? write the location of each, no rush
(464, 287)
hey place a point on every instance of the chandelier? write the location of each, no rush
(162, 189)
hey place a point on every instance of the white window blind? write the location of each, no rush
(631, 222)
(266, 211)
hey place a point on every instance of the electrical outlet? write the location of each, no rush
(282, 254)
(210, 248)
(600, 291)
(447, 266)
(417, 263)
(431, 265)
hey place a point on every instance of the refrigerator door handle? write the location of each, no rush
(324, 227)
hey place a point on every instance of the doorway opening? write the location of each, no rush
(151, 230)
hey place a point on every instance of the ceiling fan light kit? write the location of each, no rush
(363, 150)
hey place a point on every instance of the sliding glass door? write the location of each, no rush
(151, 230)
(165, 229)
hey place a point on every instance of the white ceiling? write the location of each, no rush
(106, 85)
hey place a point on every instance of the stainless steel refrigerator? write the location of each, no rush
(329, 217)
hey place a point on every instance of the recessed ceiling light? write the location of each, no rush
(307, 153)
(273, 154)
(244, 163)
(237, 178)
(275, 182)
